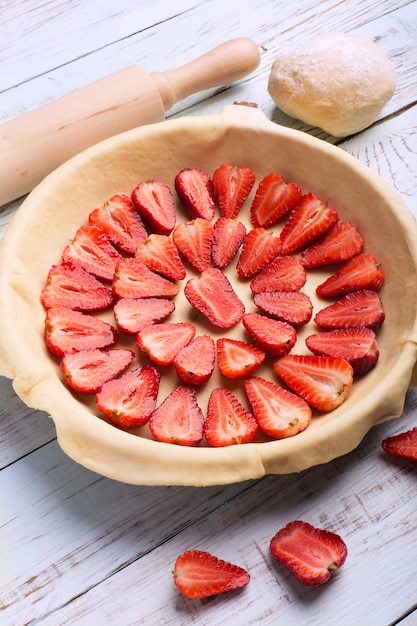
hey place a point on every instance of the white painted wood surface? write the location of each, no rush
(79, 549)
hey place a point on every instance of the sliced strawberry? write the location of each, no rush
(195, 189)
(311, 554)
(285, 273)
(324, 382)
(195, 362)
(358, 346)
(194, 240)
(132, 279)
(92, 251)
(228, 235)
(274, 198)
(260, 247)
(86, 371)
(232, 184)
(69, 285)
(228, 422)
(129, 401)
(155, 204)
(199, 574)
(403, 445)
(133, 314)
(310, 219)
(279, 412)
(292, 307)
(160, 254)
(120, 221)
(67, 330)
(237, 359)
(361, 272)
(212, 294)
(341, 243)
(359, 308)
(161, 342)
(178, 419)
(276, 338)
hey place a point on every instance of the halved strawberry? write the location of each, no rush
(293, 307)
(195, 189)
(67, 330)
(129, 400)
(121, 222)
(310, 219)
(237, 359)
(274, 198)
(199, 574)
(276, 338)
(228, 422)
(361, 272)
(161, 342)
(359, 308)
(194, 240)
(279, 412)
(70, 285)
(132, 279)
(195, 362)
(311, 554)
(92, 251)
(178, 419)
(212, 294)
(285, 273)
(322, 381)
(160, 254)
(155, 204)
(228, 235)
(233, 184)
(86, 371)
(403, 445)
(260, 247)
(341, 243)
(133, 314)
(358, 346)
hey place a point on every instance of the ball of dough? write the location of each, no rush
(336, 81)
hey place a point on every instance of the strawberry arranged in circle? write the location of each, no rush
(161, 342)
(194, 241)
(121, 222)
(70, 285)
(133, 279)
(133, 314)
(228, 422)
(284, 273)
(92, 251)
(403, 445)
(361, 272)
(228, 235)
(232, 184)
(194, 363)
(260, 247)
(342, 243)
(359, 308)
(155, 204)
(292, 307)
(178, 419)
(358, 346)
(310, 219)
(195, 189)
(237, 359)
(276, 338)
(274, 198)
(160, 254)
(86, 371)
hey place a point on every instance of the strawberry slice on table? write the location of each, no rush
(237, 359)
(361, 272)
(273, 199)
(155, 204)
(284, 273)
(160, 254)
(129, 400)
(310, 219)
(195, 189)
(310, 554)
(178, 419)
(232, 184)
(260, 247)
(86, 371)
(121, 222)
(133, 314)
(161, 342)
(199, 574)
(293, 307)
(341, 243)
(212, 295)
(403, 445)
(323, 382)
(194, 364)
(228, 422)
(279, 412)
(132, 279)
(228, 236)
(276, 338)
(70, 285)
(92, 251)
(67, 330)
(194, 241)
(359, 308)
(358, 346)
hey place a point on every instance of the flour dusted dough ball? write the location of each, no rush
(336, 81)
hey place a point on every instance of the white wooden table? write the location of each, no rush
(77, 548)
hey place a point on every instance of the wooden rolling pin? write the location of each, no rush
(34, 144)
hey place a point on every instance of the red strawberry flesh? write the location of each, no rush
(342, 243)
(228, 422)
(70, 285)
(237, 359)
(274, 198)
(178, 419)
(86, 371)
(92, 251)
(358, 346)
(359, 308)
(403, 445)
(155, 204)
(276, 338)
(361, 272)
(120, 221)
(232, 184)
(196, 191)
(194, 364)
(295, 308)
